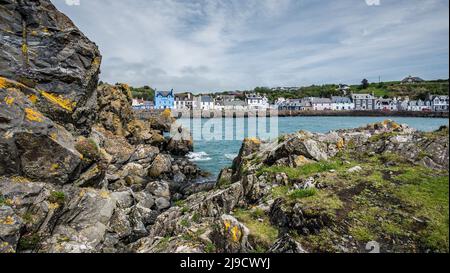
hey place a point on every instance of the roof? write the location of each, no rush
(207, 99)
(362, 96)
(164, 93)
(412, 79)
(341, 100)
(320, 100)
(234, 103)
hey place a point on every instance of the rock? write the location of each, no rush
(286, 244)
(162, 203)
(159, 189)
(116, 146)
(10, 226)
(160, 165)
(249, 146)
(230, 236)
(181, 142)
(41, 48)
(32, 144)
(115, 110)
(355, 169)
(144, 154)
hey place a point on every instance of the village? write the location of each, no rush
(251, 101)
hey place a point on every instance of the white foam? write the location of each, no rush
(200, 156)
(231, 156)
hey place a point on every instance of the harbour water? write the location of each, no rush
(213, 154)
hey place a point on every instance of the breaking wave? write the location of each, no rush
(200, 156)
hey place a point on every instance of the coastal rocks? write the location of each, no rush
(160, 165)
(10, 225)
(30, 32)
(230, 236)
(181, 142)
(32, 144)
(249, 146)
(286, 244)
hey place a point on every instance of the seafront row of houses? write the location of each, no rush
(252, 101)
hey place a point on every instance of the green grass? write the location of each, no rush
(262, 232)
(57, 197)
(2, 200)
(302, 171)
(430, 199)
(302, 193)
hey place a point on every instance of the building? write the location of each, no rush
(184, 101)
(364, 102)
(321, 104)
(344, 89)
(141, 104)
(439, 103)
(203, 102)
(164, 99)
(410, 79)
(234, 105)
(386, 104)
(341, 104)
(419, 106)
(255, 101)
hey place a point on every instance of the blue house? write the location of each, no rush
(164, 99)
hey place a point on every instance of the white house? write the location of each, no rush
(344, 88)
(255, 101)
(419, 106)
(364, 101)
(386, 104)
(439, 103)
(203, 102)
(184, 101)
(341, 104)
(321, 104)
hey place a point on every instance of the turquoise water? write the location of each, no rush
(214, 154)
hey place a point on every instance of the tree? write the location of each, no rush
(364, 84)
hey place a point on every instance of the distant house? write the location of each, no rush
(141, 104)
(439, 103)
(365, 102)
(419, 105)
(410, 79)
(234, 105)
(341, 104)
(203, 102)
(321, 104)
(255, 101)
(344, 88)
(386, 104)
(164, 100)
(184, 101)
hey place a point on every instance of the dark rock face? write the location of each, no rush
(41, 48)
(32, 144)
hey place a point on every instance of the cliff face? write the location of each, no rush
(384, 186)
(78, 172)
(42, 49)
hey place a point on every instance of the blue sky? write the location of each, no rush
(212, 45)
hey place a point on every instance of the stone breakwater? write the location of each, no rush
(145, 114)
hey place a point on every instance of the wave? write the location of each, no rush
(231, 156)
(200, 156)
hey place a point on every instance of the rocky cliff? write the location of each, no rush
(78, 172)
(382, 187)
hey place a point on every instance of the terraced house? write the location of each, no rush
(164, 99)
(365, 102)
(439, 103)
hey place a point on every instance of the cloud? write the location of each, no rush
(207, 45)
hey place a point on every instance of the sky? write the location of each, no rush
(224, 45)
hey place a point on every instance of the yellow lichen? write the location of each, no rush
(340, 144)
(167, 113)
(9, 100)
(82, 193)
(33, 98)
(227, 225)
(96, 61)
(24, 49)
(7, 221)
(104, 194)
(235, 234)
(53, 206)
(20, 179)
(253, 140)
(54, 136)
(54, 167)
(33, 115)
(59, 100)
(3, 82)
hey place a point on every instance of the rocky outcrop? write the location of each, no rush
(42, 49)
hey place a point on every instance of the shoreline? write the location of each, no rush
(146, 114)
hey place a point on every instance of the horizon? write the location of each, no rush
(217, 46)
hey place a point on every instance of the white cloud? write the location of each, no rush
(207, 45)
